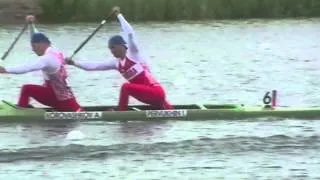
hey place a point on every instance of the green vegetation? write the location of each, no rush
(167, 10)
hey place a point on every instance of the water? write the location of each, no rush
(197, 62)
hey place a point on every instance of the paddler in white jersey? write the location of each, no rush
(55, 92)
(132, 65)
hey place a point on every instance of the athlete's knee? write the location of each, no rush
(125, 87)
(26, 88)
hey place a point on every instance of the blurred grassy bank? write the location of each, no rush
(167, 10)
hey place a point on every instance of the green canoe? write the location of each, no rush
(192, 112)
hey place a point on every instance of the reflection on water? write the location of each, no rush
(141, 129)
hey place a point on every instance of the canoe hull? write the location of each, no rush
(11, 113)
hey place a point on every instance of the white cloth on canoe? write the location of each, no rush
(133, 53)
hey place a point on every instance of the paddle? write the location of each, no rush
(91, 35)
(15, 41)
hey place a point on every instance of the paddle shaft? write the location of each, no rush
(14, 42)
(91, 35)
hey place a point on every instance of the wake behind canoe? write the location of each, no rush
(192, 112)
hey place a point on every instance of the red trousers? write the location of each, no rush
(152, 95)
(46, 96)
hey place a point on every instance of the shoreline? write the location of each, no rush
(14, 11)
(68, 11)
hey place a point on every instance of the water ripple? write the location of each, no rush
(237, 145)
